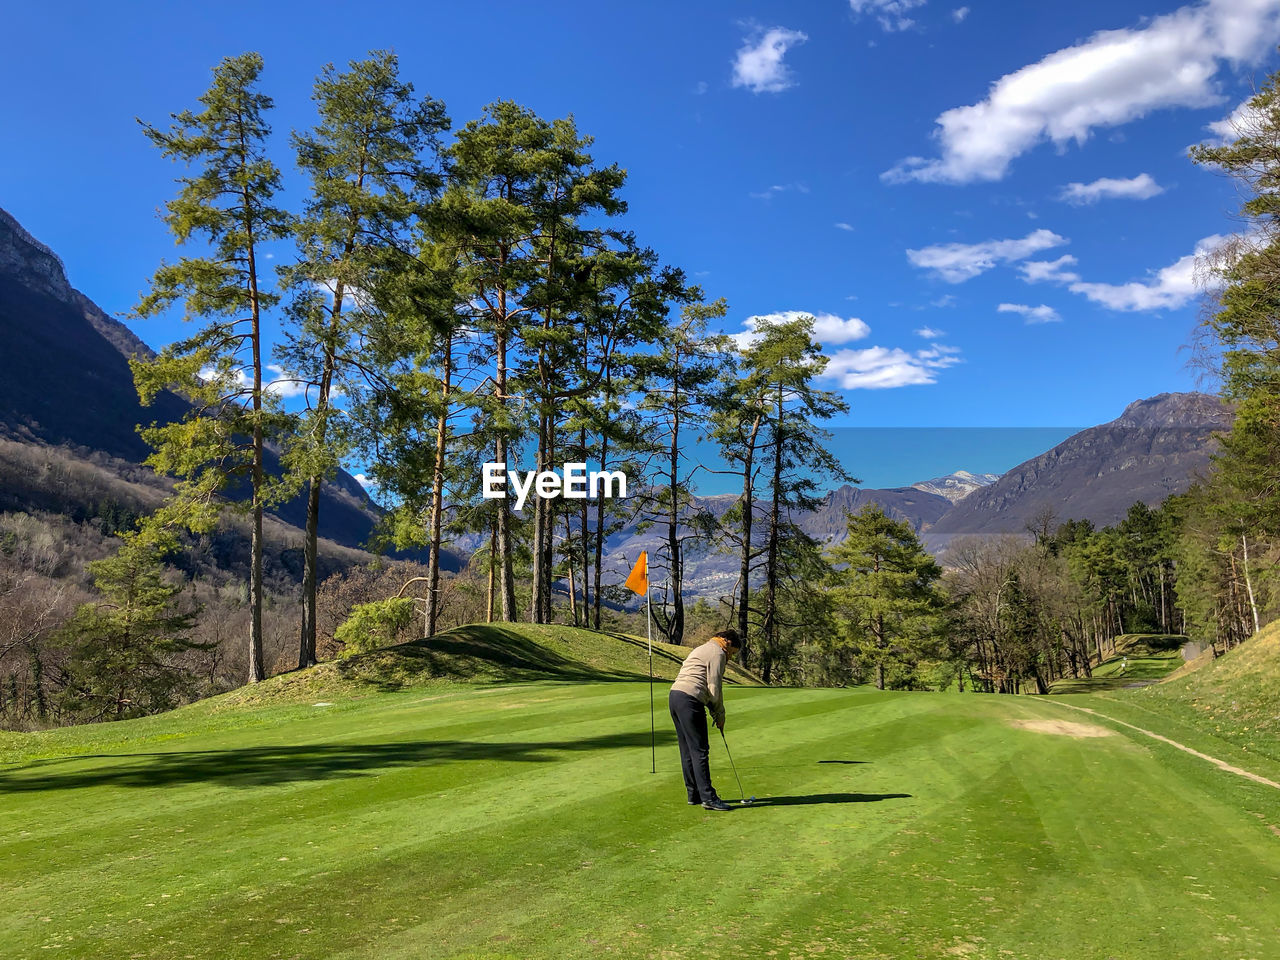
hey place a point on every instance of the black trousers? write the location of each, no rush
(690, 717)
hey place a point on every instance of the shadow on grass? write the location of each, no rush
(487, 652)
(844, 761)
(824, 798)
(264, 766)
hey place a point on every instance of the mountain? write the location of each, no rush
(708, 573)
(954, 487)
(1151, 451)
(65, 380)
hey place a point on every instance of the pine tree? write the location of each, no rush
(122, 650)
(372, 165)
(512, 217)
(227, 200)
(767, 422)
(887, 595)
(676, 382)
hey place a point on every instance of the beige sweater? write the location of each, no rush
(701, 676)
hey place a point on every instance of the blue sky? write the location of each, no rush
(900, 168)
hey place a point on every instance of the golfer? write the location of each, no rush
(698, 688)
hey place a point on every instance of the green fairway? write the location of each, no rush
(522, 820)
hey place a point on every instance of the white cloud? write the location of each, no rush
(1053, 271)
(1141, 187)
(1112, 78)
(959, 14)
(929, 333)
(944, 301)
(881, 368)
(828, 328)
(700, 88)
(365, 482)
(759, 66)
(1040, 314)
(891, 14)
(957, 262)
(1172, 287)
(768, 193)
(843, 226)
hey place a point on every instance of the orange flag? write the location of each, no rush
(638, 580)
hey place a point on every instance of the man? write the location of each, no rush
(699, 688)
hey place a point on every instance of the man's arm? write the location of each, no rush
(715, 688)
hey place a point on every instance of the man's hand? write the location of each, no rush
(720, 724)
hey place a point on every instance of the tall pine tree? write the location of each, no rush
(228, 200)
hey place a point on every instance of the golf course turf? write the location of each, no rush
(521, 820)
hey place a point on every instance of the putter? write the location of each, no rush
(741, 793)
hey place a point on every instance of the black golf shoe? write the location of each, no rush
(716, 804)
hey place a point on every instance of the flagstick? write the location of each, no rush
(653, 741)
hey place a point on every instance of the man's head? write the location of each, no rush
(729, 639)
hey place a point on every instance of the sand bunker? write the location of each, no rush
(1063, 728)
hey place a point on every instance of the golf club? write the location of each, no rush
(741, 793)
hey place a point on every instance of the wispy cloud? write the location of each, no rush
(758, 65)
(1112, 78)
(930, 334)
(768, 193)
(841, 225)
(1040, 314)
(1141, 187)
(1167, 289)
(958, 262)
(890, 14)
(959, 13)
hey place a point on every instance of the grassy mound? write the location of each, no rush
(477, 653)
(1236, 697)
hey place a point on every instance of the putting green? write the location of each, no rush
(522, 821)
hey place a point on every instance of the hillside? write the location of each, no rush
(1151, 451)
(1236, 697)
(65, 382)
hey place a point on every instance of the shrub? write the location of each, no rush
(373, 625)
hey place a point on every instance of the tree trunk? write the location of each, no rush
(748, 516)
(539, 525)
(307, 634)
(675, 574)
(769, 624)
(1248, 582)
(493, 561)
(256, 671)
(600, 531)
(506, 571)
(437, 495)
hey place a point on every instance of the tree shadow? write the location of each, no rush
(267, 765)
(824, 798)
(844, 761)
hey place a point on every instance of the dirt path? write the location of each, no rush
(1174, 743)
